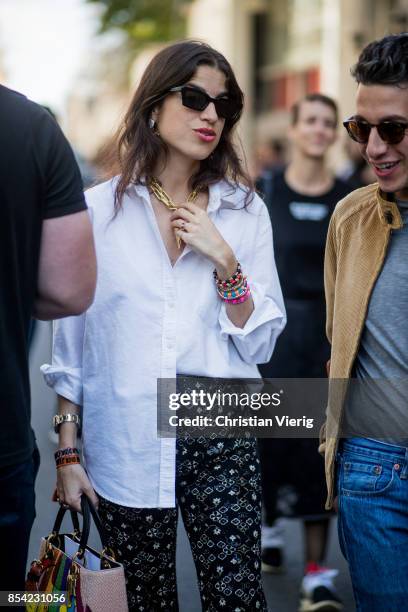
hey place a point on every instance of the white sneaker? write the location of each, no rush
(318, 592)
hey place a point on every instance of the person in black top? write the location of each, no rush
(47, 270)
(300, 201)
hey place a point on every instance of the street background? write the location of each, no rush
(84, 59)
(281, 591)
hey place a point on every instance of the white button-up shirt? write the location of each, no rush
(150, 320)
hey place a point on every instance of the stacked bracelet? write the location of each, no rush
(66, 456)
(243, 297)
(235, 289)
(68, 460)
(232, 281)
(65, 451)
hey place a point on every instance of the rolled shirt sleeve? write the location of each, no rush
(64, 374)
(255, 342)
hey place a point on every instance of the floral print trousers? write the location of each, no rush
(218, 493)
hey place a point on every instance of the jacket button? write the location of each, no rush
(397, 466)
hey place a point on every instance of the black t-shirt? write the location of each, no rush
(39, 179)
(300, 223)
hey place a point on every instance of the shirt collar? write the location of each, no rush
(230, 195)
(141, 191)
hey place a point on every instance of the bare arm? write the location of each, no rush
(72, 480)
(67, 267)
(67, 434)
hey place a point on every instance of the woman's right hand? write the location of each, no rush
(72, 482)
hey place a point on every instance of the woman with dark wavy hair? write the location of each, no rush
(187, 286)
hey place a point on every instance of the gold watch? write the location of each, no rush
(58, 419)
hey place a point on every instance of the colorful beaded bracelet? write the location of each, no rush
(233, 293)
(241, 299)
(235, 289)
(230, 282)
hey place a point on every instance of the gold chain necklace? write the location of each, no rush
(165, 199)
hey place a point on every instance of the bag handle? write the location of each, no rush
(59, 518)
(88, 510)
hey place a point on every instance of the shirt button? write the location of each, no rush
(397, 466)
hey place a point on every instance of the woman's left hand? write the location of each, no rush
(192, 224)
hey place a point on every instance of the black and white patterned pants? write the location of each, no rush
(218, 493)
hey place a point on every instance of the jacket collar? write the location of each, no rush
(388, 210)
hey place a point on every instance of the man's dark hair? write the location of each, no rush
(314, 97)
(384, 62)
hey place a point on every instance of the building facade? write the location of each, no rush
(280, 50)
(283, 49)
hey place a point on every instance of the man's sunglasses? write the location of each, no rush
(391, 132)
(196, 99)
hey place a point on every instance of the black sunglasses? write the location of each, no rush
(391, 132)
(196, 99)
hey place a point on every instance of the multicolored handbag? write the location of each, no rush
(92, 581)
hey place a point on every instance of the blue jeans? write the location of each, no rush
(372, 487)
(17, 513)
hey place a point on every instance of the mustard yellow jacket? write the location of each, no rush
(357, 242)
